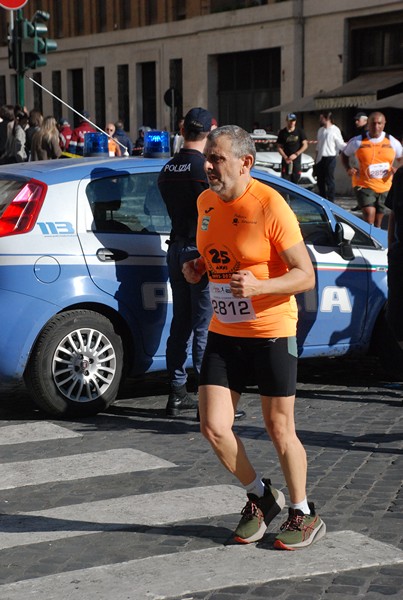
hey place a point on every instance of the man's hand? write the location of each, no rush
(193, 270)
(244, 284)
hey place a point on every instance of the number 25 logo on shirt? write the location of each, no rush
(221, 262)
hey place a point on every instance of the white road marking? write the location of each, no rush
(78, 466)
(174, 575)
(34, 431)
(107, 515)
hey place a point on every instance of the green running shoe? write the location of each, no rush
(258, 513)
(300, 530)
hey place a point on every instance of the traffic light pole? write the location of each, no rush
(28, 47)
(20, 71)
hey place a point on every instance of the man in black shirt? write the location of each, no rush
(291, 143)
(181, 181)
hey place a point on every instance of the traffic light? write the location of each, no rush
(34, 43)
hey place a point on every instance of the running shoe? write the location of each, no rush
(300, 530)
(258, 513)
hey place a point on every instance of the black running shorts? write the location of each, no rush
(234, 362)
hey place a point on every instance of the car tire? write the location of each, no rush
(385, 346)
(76, 365)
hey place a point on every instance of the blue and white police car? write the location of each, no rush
(84, 291)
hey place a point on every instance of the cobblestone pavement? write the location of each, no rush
(349, 417)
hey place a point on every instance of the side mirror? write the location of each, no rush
(344, 235)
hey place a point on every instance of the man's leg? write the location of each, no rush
(278, 414)
(320, 176)
(366, 199)
(369, 213)
(217, 406)
(201, 317)
(329, 178)
(179, 335)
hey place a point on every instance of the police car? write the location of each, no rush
(269, 160)
(84, 292)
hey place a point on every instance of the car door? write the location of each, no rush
(332, 315)
(123, 228)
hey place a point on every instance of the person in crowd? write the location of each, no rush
(113, 146)
(291, 143)
(138, 148)
(7, 118)
(65, 133)
(394, 201)
(252, 249)
(76, 145)
(35, 121)
(178, 137)
(45, 142)
(361, 122)
(375, 152)
(123, 138)
(329, 144)
(14, 151)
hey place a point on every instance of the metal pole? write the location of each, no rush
(20, 73)
(172, 109)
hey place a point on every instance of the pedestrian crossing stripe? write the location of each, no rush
(113, 514)
(78, 466)
(36, 431)
(177, 574)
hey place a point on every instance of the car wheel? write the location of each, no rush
(384, 344)
(76, 365)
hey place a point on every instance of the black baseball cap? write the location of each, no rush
(198, 119)
(359, 115)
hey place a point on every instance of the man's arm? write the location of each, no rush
(304, 146)
(299, 278)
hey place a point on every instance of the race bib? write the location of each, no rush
(378, 171)
(228, 309)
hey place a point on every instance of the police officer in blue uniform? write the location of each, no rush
(181, 181)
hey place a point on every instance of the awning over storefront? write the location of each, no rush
(359, 92)
(305, 104)
(395, 101)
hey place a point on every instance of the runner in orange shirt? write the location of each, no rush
(252, 249)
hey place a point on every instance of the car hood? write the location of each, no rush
(275, 157)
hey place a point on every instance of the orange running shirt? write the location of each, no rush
(247, 233)
(376, 160)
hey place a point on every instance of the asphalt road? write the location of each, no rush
(132, 505)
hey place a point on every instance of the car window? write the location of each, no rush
(129, 203)
(312, 218)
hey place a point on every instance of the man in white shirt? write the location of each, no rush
(329, 143)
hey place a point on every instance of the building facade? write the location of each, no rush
(148, 61)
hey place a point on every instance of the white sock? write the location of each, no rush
(256, 487)
(303, 506)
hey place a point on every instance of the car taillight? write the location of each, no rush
(20, 215)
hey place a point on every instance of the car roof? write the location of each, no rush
(63, 170)
(56, 171)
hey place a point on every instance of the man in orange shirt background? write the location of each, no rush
(376, 152)
(251, 246)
